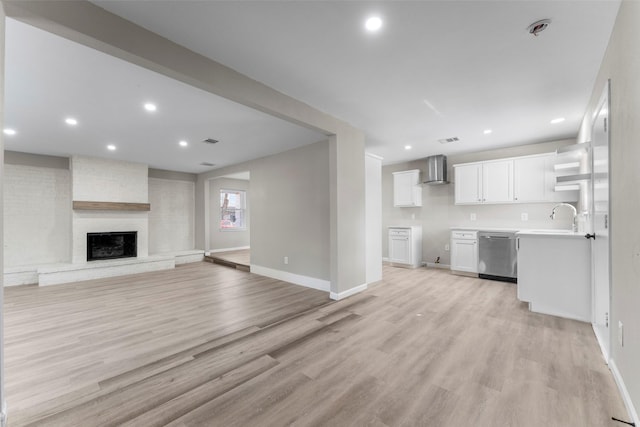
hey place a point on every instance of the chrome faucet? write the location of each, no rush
(573, 209)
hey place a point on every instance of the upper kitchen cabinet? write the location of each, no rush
(527, 179)
(497, 181)
(407, 191)
(468, 183)
(485, 182)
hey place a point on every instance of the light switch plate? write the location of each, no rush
(524, 216)
(473, 217)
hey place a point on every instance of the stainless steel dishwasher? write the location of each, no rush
(497, 256)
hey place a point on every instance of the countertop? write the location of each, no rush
(527, 232)
(551, 233)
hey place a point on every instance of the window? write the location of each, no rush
(232, 210)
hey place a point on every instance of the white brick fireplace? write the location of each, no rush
(102, 180)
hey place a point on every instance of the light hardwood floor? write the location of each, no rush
(206, 345)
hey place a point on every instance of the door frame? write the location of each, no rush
(603, 102)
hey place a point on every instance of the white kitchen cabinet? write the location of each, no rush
(554, 274)
(484, 182)
(468, 183)
(407, 191)
(464, 251)
(405, 246)
(497, 181)
(529, 179)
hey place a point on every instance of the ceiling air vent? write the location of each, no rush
(210, 141)
(448, 140)
(207, 164)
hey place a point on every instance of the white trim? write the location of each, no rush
(624, 392)
(239, 248)
(297, 279)
(385, 259)
(348, 292)
(601, 343)
(438, 265)
(3, 414)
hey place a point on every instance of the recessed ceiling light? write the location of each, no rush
(373, 23)
(487, 131)
(150, 107)
(8, 131)
(111, 147)
(558, 120)
(183, 143)
(71, 121)
(407, 147)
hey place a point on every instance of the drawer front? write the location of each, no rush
(399, 232)
(464, 235)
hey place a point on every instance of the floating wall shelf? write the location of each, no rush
(110, 206)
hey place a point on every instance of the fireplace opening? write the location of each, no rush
(121, 244)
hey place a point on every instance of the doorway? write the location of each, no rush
(229, 218)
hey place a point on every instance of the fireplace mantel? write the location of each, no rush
(110, 206)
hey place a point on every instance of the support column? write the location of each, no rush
(347, 224)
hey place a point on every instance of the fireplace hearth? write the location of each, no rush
(121, 244)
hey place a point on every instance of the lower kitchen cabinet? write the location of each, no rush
(554, 274)
(405, 246)
(464, 251)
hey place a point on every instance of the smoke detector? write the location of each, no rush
(538, 26)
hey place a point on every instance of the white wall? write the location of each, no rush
(621, 64)
(172, 215)
(225, 239)
(37, 215)
(439, 213)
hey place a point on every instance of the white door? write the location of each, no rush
(601, 223)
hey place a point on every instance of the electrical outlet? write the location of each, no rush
(620, 334)
(524, 216)
(286, 260)
(413, 216)
(473, 217)
(446, 247)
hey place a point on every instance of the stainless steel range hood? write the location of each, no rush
(436, 170)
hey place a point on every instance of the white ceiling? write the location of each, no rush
(49, 78)
(437, 69)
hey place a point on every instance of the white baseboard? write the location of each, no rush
(297, 279)
(3, 414)
(624, 392)
(239, 248)
(348, 292)
(438, 265)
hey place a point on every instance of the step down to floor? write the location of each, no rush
(226, 263)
